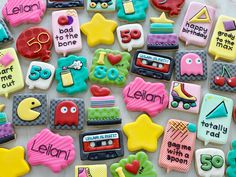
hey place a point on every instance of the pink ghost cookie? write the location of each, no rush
(17, 12)
(144, 96)
(51, 150)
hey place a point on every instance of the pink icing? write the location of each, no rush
(17, 12)
(144, 96)
(51, 150)
(6, 60)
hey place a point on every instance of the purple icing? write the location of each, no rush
(229, 25)
(6, 130)
(70, 20)
(162, 41)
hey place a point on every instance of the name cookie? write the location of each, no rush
(146, 97)
(67, 113)
(66, 33)
(91, 170)
(134, 165)
(197, 24)
(178, 146)
(52, 4)
(23, 11)
(11, 77)
(215, 119)
(5, 34)
(230, 171)
(55, 152)
(223, 39)
(101, 5)
(71, 74)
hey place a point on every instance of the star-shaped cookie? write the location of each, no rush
(143, 134)
(99, 30)
(12, 162)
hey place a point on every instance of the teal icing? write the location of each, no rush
(192, 127)
(3, 33)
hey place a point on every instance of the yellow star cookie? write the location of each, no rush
(143, 134)
(99, 30)
(12, 162)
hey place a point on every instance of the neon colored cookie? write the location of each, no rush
(110, 67)
(13, 163)
(103, 110)
(91, 170)
(223, 77)
(136, 165)
(35, 43)
(66, 33)
(178, 146)
(67, 113)
(210, 162)
(130, 36)
(99, 30)
(71, 74)
(137, 132)
(185, 97)
(5, 34)
(197, 24)
(18, 12)
(215, 119)
(231, 170)
(191, 65)
(10, 71)
(101, 5)
(51, 4)
(223, 39)
(146, 97)
(132, 10)
(162, 36)
(55, 152)
(29, 109)
(40, 75)
(173, 7)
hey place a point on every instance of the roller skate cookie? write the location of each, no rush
(197, 24)
(59, 4)
(5, 34)
(178, 146)
(162, 36)
(134, 165)
(185, 97)
(231, 170)
(215, 119)
(101, 5)
(91, 170)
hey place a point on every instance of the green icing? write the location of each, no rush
(112, 113)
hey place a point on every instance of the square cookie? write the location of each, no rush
(91, 170)
(67, 114)
(101, 5)
(185, 97)
(223, 77)
(29, 109)
(191, 65)
(51, 4)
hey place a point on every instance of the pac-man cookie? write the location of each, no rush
(29, 109)
(91, 170)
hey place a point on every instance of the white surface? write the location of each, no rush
(25, 133)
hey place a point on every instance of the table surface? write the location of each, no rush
(26, 133)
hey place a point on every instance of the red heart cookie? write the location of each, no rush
(99, 91)
(114, 59)
(133, 167)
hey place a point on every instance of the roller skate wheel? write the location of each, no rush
(92, 4)
(174, 104)
(186, 106)
(104, 5)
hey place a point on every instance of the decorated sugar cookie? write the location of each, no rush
(55, 152)
(162, 36)
(110, 67)
(231, 172)
(223, 39)
(5, 34)
(215, 119)
(185, 97)
(71, 74)
(40, 75)
(146, 97)
(91, 170)
(29, 109)
(10, 72)
(58, 4)
(197, 24)
(223, 77)
(152, 65)
(210, 162)
(67, 113)
(101, 5)
(18, 12)
(130, 36)
(178, 146)
(173, 7)
(103, 110)
(136, 165)
(191, 65)
(17, 165)
(132, 10)
(66, 33)
(99, 30)
(135, 132)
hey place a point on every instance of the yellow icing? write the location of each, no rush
(198, 17)
(93, 170)
(161, 19)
